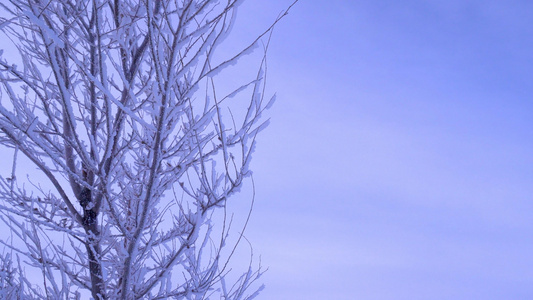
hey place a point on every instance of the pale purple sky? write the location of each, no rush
(399, 160)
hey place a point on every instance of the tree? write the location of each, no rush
(115, 102)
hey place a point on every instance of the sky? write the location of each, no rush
(398, 162)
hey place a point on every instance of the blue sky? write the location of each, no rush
(398, 163)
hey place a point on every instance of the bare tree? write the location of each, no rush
(115, 102)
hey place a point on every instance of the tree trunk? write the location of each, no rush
(90, 223)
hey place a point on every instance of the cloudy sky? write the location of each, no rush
(399, 159)
(398, 163)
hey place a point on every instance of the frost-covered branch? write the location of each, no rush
(117, 106)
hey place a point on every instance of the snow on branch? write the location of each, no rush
(127, 154)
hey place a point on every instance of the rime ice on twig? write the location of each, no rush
(115, 103)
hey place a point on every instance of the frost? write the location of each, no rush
(130, 157)
(45, 29)
(232, 61)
